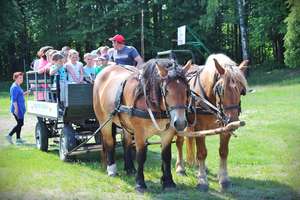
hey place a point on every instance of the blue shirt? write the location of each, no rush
(89, 71)
(16, 95)
(124, 56)
(61, 72)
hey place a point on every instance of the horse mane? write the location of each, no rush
(151, 80)
(232, 71)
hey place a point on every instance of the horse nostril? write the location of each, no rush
(180, 125)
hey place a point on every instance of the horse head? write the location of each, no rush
(175, 92)
(230, 84)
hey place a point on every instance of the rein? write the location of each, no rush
(219, 93)
(132, 111)
(209, 107)
(168, 108)
(151, 113)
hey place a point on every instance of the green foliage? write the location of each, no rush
(26, 25)
(292, 37)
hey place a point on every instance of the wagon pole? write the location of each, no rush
(229, 128)
(97, 131)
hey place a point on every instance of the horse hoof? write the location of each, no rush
(113, 174)
(140, 188)
(202, 187)
(225, 185)
(181, 173)
(168, 185)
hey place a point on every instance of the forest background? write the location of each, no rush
(272, 27)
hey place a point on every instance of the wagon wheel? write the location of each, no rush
(67, 142)
(41, 136)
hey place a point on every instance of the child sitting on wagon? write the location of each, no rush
(89, 69)
(74, 67)
(60, 78)
(101, 63)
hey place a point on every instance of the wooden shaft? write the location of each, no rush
(228, 128)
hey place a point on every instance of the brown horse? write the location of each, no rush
(161, 90)
(221, 82)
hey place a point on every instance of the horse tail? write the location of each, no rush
(190, 150)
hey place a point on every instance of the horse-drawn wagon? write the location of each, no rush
(65, 112)
(141, 102)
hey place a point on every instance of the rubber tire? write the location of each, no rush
(67, 142)
(41, 136)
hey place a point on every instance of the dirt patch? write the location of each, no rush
(8, 122)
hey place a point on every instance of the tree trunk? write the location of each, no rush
(243, 29)
(236, 42)
(280, 49)
(155, 23)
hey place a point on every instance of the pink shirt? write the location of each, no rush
(42, 65)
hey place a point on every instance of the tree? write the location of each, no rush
(243, 28)
(292, 37)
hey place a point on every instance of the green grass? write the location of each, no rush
(264, 160)
(4, 98)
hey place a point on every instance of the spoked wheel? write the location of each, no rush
(41, 136)
(67, 142)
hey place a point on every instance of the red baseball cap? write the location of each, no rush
(118, 38)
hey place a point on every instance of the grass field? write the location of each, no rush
(264, 161)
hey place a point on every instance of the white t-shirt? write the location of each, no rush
(76, 68)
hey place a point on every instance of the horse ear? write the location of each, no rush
(244, 65)
(219, 68)
(187, 66)
(163, 72)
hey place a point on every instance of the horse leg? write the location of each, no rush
(180, 170)
(141, 153)
(128, 159)
(201, 156)
(190, 150)
(166, 179)
(224, 180)
(109, 149)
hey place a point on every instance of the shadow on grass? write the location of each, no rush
(242, 188)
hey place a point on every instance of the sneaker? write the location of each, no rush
(20, 141)
(9, 139)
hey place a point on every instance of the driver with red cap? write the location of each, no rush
(122, 54)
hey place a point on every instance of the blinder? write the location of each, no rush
(219, 93)
(164, 83)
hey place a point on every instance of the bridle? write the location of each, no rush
(164, 94)
(219, 92)
(174, 74)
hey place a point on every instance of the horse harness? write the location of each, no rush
(218, 90)
(206, 109)
(133, 111)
